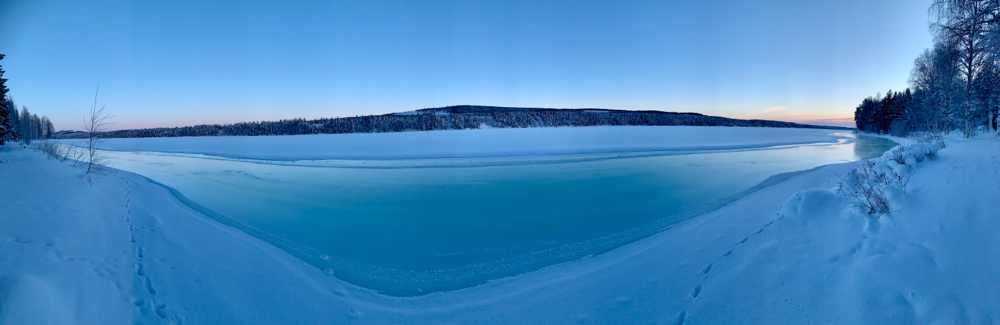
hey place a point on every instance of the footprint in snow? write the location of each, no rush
(159, 311)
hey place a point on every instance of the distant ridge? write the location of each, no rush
(458, 117)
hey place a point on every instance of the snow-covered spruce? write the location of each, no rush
(874, 182)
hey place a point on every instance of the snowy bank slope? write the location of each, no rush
(65, 255)
(478, 143)
(779, 255)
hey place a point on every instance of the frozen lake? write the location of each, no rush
(412, 226)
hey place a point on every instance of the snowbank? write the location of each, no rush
(479, 143)
(65, 255)
(773, 256)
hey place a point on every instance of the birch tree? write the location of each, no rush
(970, 26)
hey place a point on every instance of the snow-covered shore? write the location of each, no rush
(774, 256)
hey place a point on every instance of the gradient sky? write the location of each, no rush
(174, 63)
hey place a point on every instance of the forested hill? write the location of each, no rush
(448, 118)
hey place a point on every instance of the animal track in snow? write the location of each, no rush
(159, 311)
(158, 308)
(696, 291)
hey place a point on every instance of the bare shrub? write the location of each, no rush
(52, 150)
(869, 181)
(901, 177)
(76, 154)
(866, 186)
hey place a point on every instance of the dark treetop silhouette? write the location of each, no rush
(447, 118)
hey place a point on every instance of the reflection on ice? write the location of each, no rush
(868, 147)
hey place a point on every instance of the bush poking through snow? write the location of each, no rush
(869, 181)
(865, 186)
(52, 150)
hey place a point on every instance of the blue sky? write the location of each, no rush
(174, 63)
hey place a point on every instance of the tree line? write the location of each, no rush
(27, 126)
(6, 128)
(445, 118)
(954, 85)
(23, 126)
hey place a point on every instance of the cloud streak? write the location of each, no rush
(779, 113)
(772, 109)
(766, 111)
(835, 121)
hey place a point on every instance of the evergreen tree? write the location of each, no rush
(26, 128)
(49, 128)
(36, 127)
(13, 119)
(5, 127)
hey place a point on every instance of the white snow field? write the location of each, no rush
(124, 250)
